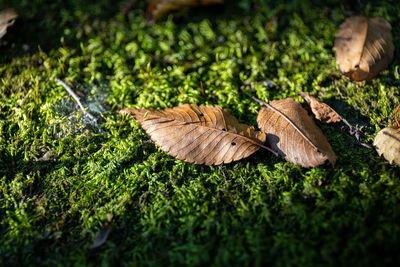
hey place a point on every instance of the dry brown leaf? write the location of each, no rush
(157, 8)
(293, 134)
(199, 134)
(322, 111)
(364, 47)
(387, 142)
(6, 16)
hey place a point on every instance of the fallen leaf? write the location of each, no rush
(6, 16)
(157, 8)
(364, 47)
(199, 134)
(322, 111)
(293, 134)
(387, 142)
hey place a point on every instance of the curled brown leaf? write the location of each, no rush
(322, 111)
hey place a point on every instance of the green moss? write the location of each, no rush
(60, 174)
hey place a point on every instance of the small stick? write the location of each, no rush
(74, 96)
(354, 131)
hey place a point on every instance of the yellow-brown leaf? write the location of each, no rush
(199, 134)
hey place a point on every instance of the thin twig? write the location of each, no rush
(76, 98)
(288, 120)
(353, 129)
(355, 132)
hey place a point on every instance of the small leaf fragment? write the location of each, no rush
(322, 111)
(293, 134)
(364, 47)
(387, 143)
(199, 134)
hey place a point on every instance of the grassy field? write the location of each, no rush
(61, 174)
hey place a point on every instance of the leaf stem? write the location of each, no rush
(354, 131)
(269, 149)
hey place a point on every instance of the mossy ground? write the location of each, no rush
(60, 175)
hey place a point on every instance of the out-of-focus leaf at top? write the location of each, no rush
(157, 8)
(364, 47)
(6, 16)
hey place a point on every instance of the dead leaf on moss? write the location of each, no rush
(157, 8)
(364, 47)
(199, 134)
(293, 134)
